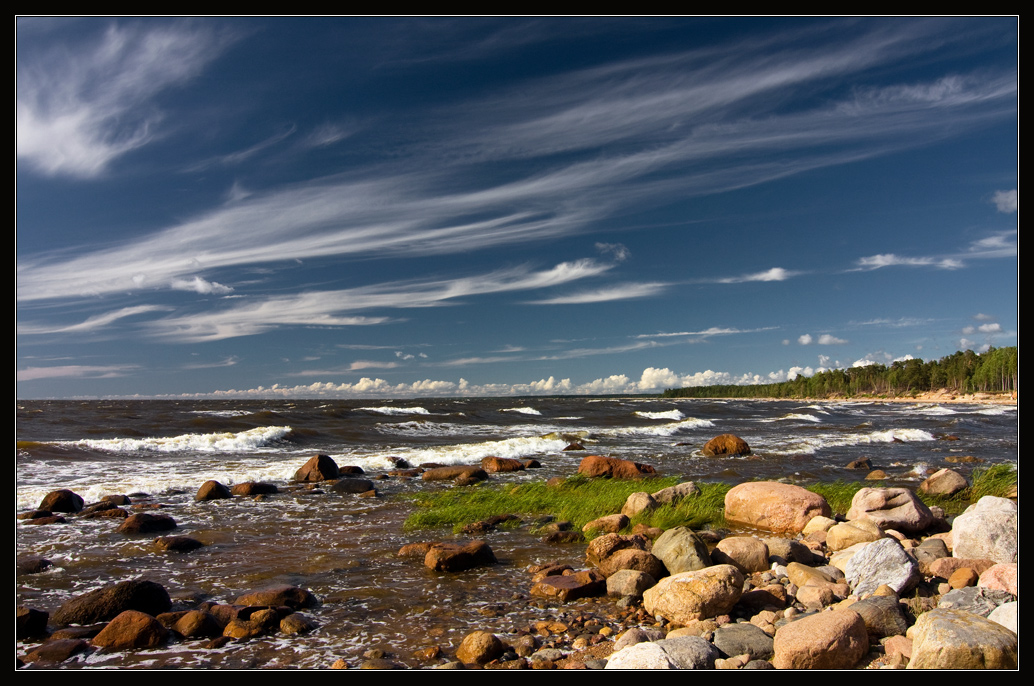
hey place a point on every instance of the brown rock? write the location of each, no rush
(746, 553)
(726, 444)
(707, 593)
(876, 475)
(479, 647)
(610, 524)
(501, 464)
(827, 640)
(177, 544)
(774, 506)
(451, 557)
(131, 630)
(107, 603)
(297, 623)
(199, 624)
(465, 472)
(291, 596)
(146, 523)
(891, 508)
(212, 490)
(254, 488)
(415, 549)
(318, 468)
(631, 558)
(963, 577)
(62, 500)
(58, 650)
(612, 467)
(584, 584)
(944, 482)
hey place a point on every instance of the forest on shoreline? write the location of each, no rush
(993, 371)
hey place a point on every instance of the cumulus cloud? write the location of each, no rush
(827, 339)
(199, 285)
(804, 339)
(1005, 201)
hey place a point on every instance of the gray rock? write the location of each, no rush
(881, 562)
(673, 494)
(641, 656)
(637, 635)
(743, 638)
(956, 639)
(629, 582)
(690, 652)
(883, 616)
(891, 508)
(784, 551)
(975, 599)
(681, 550)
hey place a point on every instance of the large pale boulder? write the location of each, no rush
(846, 534)
(774, 506)
(987, 529)
(944, 482)
(637, 503)
(882, 562)
(683, 598)
(891, 508)
(826, 640)
(746, 553)
(956, 639)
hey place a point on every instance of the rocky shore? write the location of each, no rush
(891, 584)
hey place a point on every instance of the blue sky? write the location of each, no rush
(479, 206)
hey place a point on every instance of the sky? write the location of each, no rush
(384, 207)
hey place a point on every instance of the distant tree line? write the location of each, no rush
(996, 370)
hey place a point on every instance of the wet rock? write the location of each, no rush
(466, 473)
(826, 640)
(726, 444)
(318, 468)
(177, 544)
(249, 488)
(33, 565)
(62, 500)
(199, 624)
(131, 630)
(602, 547)
(212, 490)
(146, 523)
(106, 603)
(773, 506)
(479, 647)
(297, 623)
(584, 584)
(293, 597)
(352, 485)
(44, 520)
(260, 623)
(634, 559)
(106, 513)
(58, 650)
(863, 463)
(451, 557)
(955, 639)
(30, 623)
(891, 508)
(612, 467)
(501, 464)
(683, 598)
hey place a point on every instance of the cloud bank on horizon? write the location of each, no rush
(220, 206)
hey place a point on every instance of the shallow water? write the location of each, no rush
(343, 548)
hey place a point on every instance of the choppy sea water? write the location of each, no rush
(343, 548)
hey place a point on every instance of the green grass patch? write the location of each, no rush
(578, 500)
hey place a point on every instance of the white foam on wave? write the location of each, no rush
(522, 410)
(222, 413)
(932, 410)
(794, 417)
(396, 410)
(242, 441)
(471, 453)
(661, 430)
(812, 444)
(995, 411)
(670, 414)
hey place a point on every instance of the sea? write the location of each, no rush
(343, 548)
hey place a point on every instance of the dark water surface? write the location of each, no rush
(343, 548)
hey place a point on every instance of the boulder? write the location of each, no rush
(773, 506)
(891, 508)
(956, 639)
(30, 623)
(249, 488)
(146, 523)
(681, 550)
(212, 490)
(565, 587)
(743, 639)
(726, 444)
(131, 630)
(825, 640)
(609, 524)
(296, 624)
(637, 503)
(673, 494)
(846, 534)
(882, 562)
(318, 468)
(1001, 577)
(602, 547)
(883, 616)
(177, 544)
(987, 529)
(452, 557)
(62, 500)
(746, 553)
(198, 624)
(352, 485)
(501, 464)
(106, 603)
(629, 582)
(683, 598)
(479, 647)
(631, 558)
(612, 467)
(465, 472)
(944, 482)
(291, 596)
(58, 650)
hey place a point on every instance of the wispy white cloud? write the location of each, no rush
(712, 331)
(74, 371)
(199, 285)
(891, 260)
(80, 107)
(92, 323)
(627, 291)
(773, 274)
